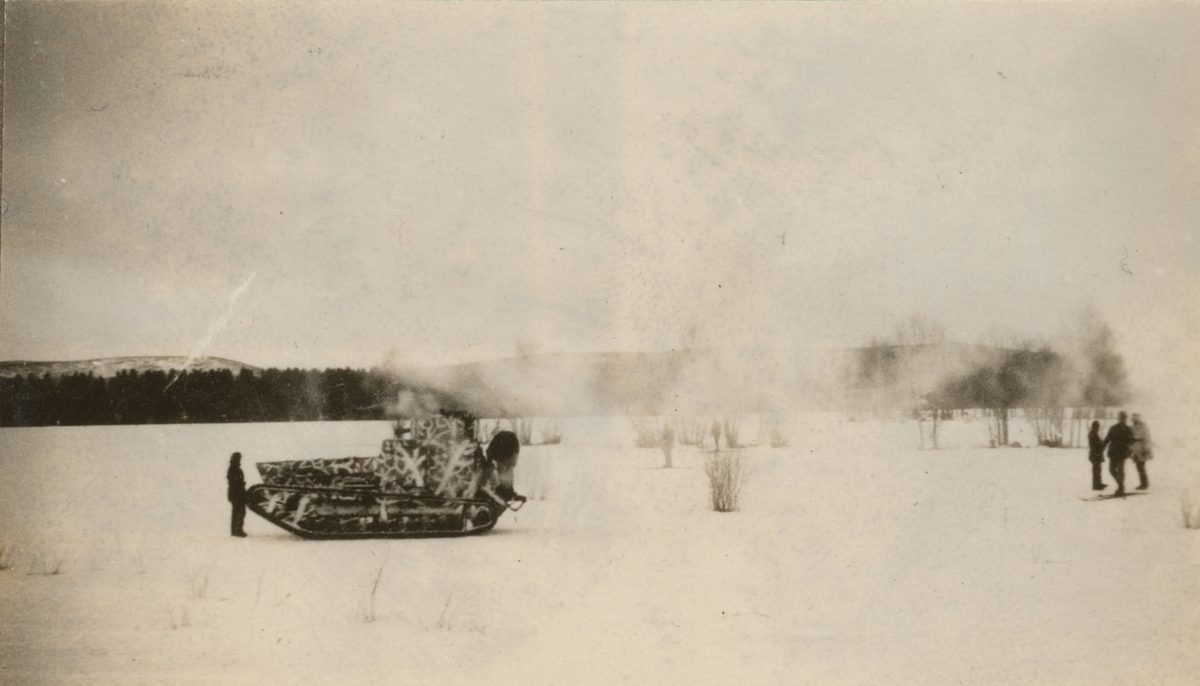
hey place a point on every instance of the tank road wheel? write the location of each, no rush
(301, 509)
(383, 507)
(476, 517)
(275, 501)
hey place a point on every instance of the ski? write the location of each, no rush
(1111, 496)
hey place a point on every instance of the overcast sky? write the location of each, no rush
(320, 184)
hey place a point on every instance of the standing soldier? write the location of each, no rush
(1141, 450)
(1119, 440)
(1096, 456)
(502, 452)
(237, 495)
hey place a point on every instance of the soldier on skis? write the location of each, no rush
(1096, 456)
(1119, 440)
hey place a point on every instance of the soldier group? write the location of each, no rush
(1123, 441)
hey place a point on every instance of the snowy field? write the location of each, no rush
(856, 559)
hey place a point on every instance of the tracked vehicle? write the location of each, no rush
(432, 478)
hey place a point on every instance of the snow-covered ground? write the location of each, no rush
(856, 559)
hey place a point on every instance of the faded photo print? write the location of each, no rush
(595, 343)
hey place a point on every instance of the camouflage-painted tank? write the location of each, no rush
(431, 479)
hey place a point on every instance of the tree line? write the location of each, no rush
(172, 397)
(918, 372)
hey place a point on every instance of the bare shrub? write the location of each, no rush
(726, 473)
(367, 609)
(691, 430)
(777, 439)
(272, 595)
(6, 556)
(551, 433)
(932, 417)
(447, 615)
(1191, 511)
(47, 563)
(198, 582)
(732, 426)
(450, 619)
(649, 432)
(668, 444)
(770, 433)
(997, 427)
(1047, 425)
(653, 432)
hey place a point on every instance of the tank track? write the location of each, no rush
(341, 513)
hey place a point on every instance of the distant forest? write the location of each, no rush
(160, 397)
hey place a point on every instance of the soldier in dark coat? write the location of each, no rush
(1119, 440)
(502, 452)
(1096, 456)
(237, 495)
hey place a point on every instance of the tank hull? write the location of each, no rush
(349, 513)
(431, 479)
